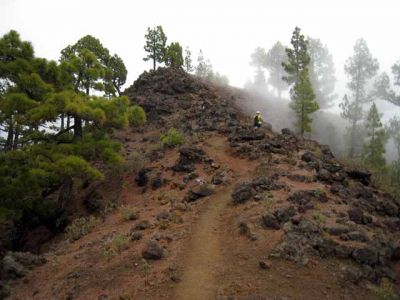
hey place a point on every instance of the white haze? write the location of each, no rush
(226, 31)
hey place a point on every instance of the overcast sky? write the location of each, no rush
(227, 31)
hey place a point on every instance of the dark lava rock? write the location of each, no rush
(246, 134)
(325, 246)
(152, 250)
(355, 236)
(218, 178)
(363, 177)
(242, 192)
(136, 235)
(243, 228)
(343, 251)
(270, 221)
(327, 153)
(264, 184)
(93, 202)
(356, 215)
(309, 157)
(188, 156)
(164, 215)
(142, 178)
(142, 225)
(366, 255)
(157, 181)
(337, 230)
(17, 264)
(200, 191)
(264, 265)
(304, 197)
(283, 214)
(287, 131)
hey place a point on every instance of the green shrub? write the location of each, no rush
(319, 218)
(81, 227)
(173, 138)
(120, 243)
(135, 161)
(385, 290)
(128, 212)
(137, 116)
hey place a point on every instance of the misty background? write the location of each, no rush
(226, 31)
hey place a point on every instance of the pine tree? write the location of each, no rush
(322, 73)
(34, 94)
(117, 74)
(298, 58)
(173, 55)
(394, 132)
(273, 63)
(156, 42)
(359, 68)
(303, 102)
(204, 68)
(188, 61)
(302, 95)
(374, 148)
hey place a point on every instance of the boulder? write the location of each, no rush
(366, 255)
(188, 156)
(142, 178)
(270, 221)
(152, 250)
(200, 191)
(356, 215)
(17, 264)
(363, 177)
(284, 214)
(242, 192)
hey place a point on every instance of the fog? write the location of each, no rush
(226, 31)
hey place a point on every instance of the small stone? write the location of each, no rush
(136, 235)
(264, 265)
(142, 225)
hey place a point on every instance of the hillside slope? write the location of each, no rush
(235, 213)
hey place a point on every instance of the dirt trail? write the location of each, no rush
(204, 253)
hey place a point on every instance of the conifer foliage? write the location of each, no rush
(53, 124)
(374, 148)
(302, 95)
(156, 42)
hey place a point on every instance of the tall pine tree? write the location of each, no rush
(374, 148)
(359, 68)
(156, 42)
(273, 63)
(301, 92)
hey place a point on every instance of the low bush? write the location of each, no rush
(172, 138)
(81, 227)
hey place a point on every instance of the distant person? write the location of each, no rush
(257, 120)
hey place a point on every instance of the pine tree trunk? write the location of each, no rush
(78, 133)
(10, 136)
(16, 138)
(65, 192)
(68, 121)
(62, 121)
(352, 142)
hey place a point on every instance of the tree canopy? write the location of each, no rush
(156, 42)
(39, 154)
(302, 95)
